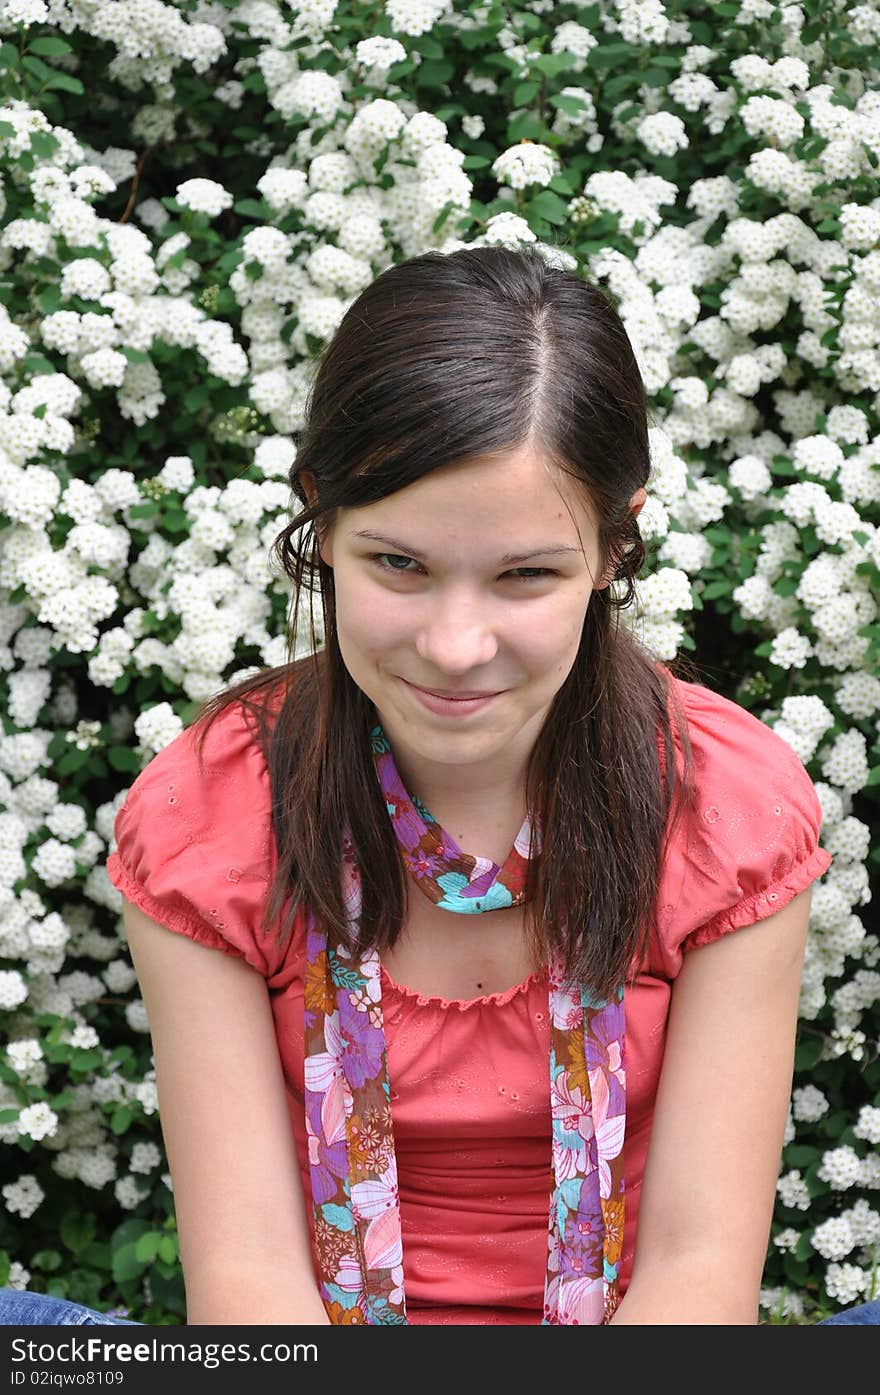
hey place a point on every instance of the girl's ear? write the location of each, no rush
(636, 502)
(325, 545)
(307, 480)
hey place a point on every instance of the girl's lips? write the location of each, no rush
(450, 707)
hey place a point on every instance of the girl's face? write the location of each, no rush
(476, 580)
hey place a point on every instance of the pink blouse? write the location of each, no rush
(469, 1094)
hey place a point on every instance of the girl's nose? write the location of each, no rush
(457, 640)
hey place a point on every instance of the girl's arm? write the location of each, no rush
(713, 1159)
(238, 1195)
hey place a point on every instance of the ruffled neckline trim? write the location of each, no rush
(461, 1004)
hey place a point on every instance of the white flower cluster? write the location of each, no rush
(24, 1196)
(203, 196)
(782, 1302)
(754, 314)
(808, 1103)
(841, 1167)
(792, 1191)
(526, 164)
(846, 1282)
(840, 1235)
(662, 133)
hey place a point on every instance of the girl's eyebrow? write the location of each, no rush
(552, 549)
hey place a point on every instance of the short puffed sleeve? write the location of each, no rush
(195, 847)
(748, 842)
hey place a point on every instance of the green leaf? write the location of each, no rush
(48, 46)
(121, 1119)
(716, 589)
(176, 521)
(126, 1265)
(72, 760)
(525, 92)
(147, 1246)
(434, 74)
(96, 1256)
(49, 299)
(77, 1230)
(815, 1185)
(48, 1260)
(40, 70)
(786, 585)
(443, 215)
(123, 758)
(168, 1249)
(63, 82)
(7, 130)
(129, 1232)
(611, 55)
(552, 64)
(527, 126)
(808, 1053)
(37, 363)
(550, 206)
(560, 184)
(796, 1270)
(196, 397)
(5, 1266)
(572, 106)
(801, 1155)
(44, 144)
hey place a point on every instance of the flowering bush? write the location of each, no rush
(192, 194)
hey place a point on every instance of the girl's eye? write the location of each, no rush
(378, 558)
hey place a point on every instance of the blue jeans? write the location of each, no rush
(20, 1307)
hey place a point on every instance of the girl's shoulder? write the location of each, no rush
(748, 839)
(194, 846)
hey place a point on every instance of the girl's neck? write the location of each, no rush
(479, 793)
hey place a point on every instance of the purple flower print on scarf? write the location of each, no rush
(364, 1048)
(584, 1236)
(424, 864)
(603, 1051)
(328, 1158)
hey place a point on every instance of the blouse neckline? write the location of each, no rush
(539, 976)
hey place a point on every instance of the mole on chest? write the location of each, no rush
(446, 955)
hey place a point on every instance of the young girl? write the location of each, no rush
(451, 1024)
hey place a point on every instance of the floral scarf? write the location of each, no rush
(352, 1163)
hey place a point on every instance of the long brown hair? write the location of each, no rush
(450, 357)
